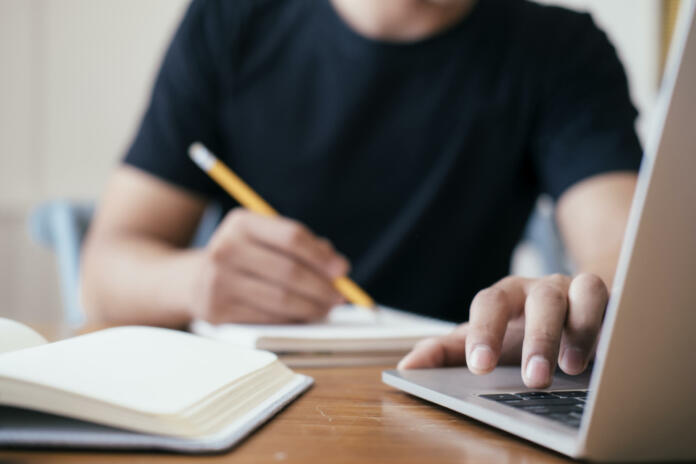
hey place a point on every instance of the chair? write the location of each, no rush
(61, 225)
(541, 235)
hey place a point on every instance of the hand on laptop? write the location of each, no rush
(538, 322)
(259, 269)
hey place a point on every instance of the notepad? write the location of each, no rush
(145, 386)
(347, 336)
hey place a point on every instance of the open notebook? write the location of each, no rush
(347, 336)
(136, 388)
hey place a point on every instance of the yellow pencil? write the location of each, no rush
(246, 197)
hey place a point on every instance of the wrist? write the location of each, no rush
(178, 284)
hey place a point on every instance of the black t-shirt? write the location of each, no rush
(420, 161)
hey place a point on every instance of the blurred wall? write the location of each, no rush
(74, 78)
(634, 28)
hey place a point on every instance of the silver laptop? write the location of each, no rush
(639, 403)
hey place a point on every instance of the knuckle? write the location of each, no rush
(583, 319)
(482, 330)
(291, 271)
(543, 338)
(557, 279)
(284, 298)
(489, 299)
(236, 217)
(548, 292)
(223, 252)
(217, 252)
(582, 337)
(295, 234)
(225, 243)
(492, 295)
(589, 284)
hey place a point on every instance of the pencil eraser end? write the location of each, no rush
(201, 156)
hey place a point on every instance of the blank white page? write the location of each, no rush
(152, 370)
(344, 322)
(16, 336)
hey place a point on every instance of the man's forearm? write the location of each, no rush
(592, 218)
(138, 281)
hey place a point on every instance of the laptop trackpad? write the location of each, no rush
(458, 382)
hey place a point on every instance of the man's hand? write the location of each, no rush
(537, 322)
(259, 269)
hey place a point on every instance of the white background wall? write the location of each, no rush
(75, 75)
(74, 78)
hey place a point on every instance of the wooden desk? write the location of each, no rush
(348, 416)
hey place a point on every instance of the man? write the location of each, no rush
(415, 135)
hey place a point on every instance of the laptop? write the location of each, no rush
(639, 402)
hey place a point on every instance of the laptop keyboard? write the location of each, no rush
(562, 406)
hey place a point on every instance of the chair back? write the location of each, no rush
(61, 225)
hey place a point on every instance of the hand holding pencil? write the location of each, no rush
(283, 271)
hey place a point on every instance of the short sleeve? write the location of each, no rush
(184, 103)
(585, 122)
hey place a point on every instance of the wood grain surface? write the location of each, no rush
(348, 416)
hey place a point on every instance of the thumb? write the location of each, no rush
(448, 350)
